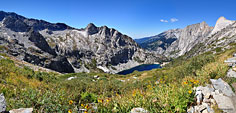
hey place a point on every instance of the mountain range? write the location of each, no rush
(65, 49)
(192, 40)
(59, 47)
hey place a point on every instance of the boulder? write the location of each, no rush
(231, 60)
(224, 103)
(2, 103)
(139, 110)
(21, 110)
(206, 90)
(222, 86)
(231, 73)
(199, 108)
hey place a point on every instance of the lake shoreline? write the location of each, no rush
(142, 67)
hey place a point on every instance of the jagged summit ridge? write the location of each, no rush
(62, 48)
(192, 38)
(177, 42)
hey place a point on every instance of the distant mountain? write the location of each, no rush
(65, 49)
(200, 37)
(141, 40)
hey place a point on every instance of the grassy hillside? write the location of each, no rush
(169, 89)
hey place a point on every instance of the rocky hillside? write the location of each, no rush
(197, 37)
(65, 49)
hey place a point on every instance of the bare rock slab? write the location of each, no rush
(224, 103)
(222, 86)
(22, 110)
(2, 103)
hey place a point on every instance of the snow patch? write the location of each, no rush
(70, 78)
(104, 69)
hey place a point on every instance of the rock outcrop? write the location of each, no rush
(21, 110)
(219, 94)
(3, 104)
(65, 49)
(221, 23)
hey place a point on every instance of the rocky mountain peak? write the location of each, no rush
(65, 49)
(221, 23)
(91, 29)
(203, 24)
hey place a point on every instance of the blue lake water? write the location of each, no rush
(143, 67)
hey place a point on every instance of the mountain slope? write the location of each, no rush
(65, 49)
(177, 42)
(193, 39)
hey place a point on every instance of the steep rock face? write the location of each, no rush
(65, 49)
(189, 37)
(222, 39)
(176, 42)
(221, 23)
(40, 42)
(194, 39)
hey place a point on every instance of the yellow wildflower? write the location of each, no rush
(71, 102)
(86, 107)
(100, 100)
(185, 82)
(69, 111)
(190, 91)
(197, 81)
(149, 87)
(192, 80)
(86, 112)
(134, 93)
(107, 100)
(82, 105)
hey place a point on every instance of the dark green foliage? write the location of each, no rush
(87, 97)
(218, 49)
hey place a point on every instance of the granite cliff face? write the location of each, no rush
(200, 37)
(177, 42)
(65, 49)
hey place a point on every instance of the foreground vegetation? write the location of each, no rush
(169, 89)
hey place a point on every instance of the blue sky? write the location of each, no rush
(136, 18)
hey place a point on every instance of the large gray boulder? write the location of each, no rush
(222, 86)
(224, 103)
(22, 110)
(2, 103)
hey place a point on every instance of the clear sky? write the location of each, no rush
(136, 18)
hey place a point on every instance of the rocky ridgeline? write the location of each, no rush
(64, 49)
(197, 38)
(3, 106)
